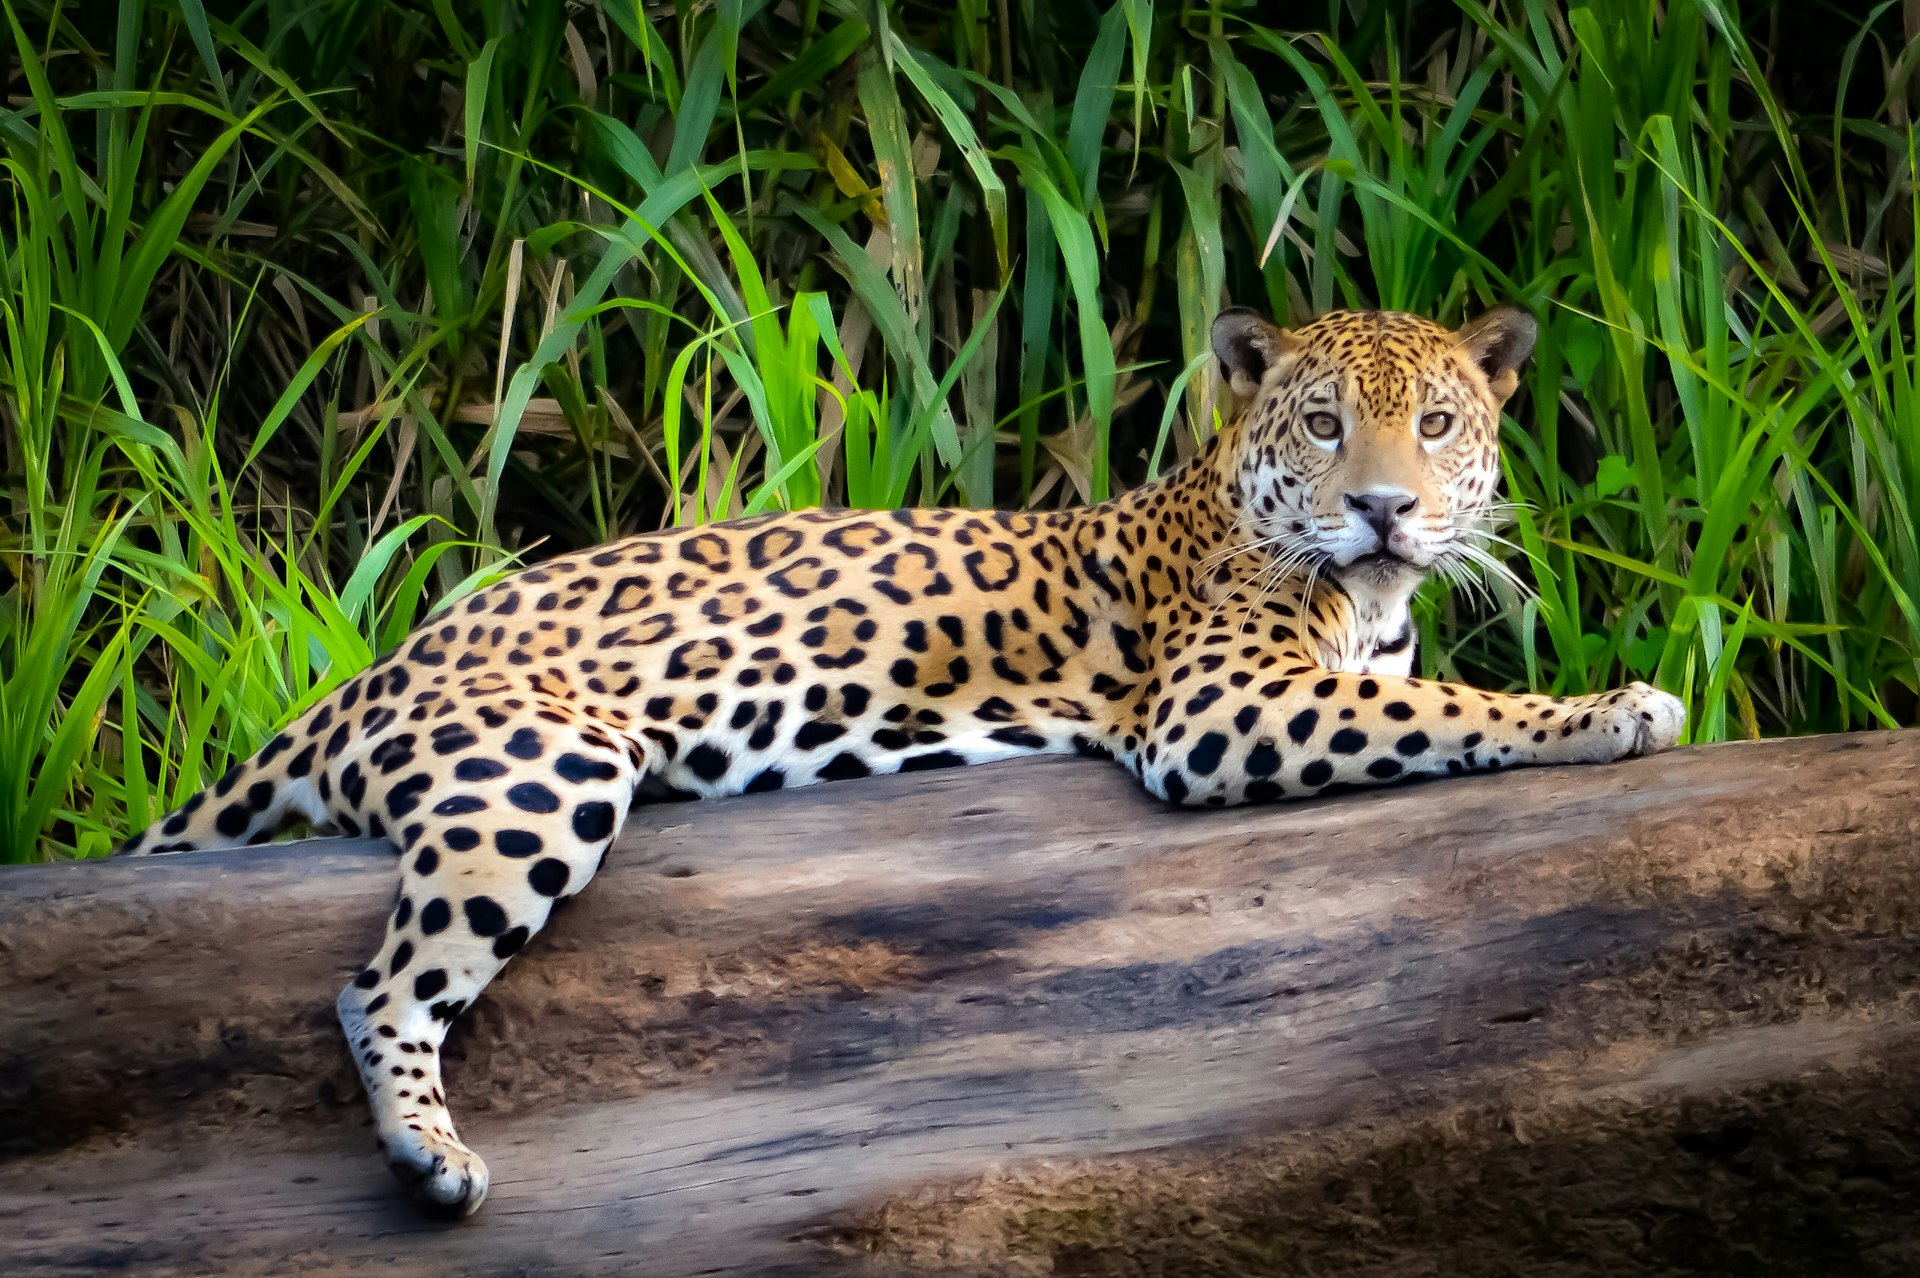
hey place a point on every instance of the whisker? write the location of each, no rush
(1278, 573)
(1235, 592)
(1456, 576)
(1219, 557)
(1246, 618)
(1481, 559)
(1281, 567)
(1493, 537)
(1306, 599)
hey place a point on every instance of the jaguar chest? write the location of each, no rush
(1378, 639)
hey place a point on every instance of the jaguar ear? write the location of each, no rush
(1499, 342)
(1248, 345)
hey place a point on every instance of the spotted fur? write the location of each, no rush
(1235, 632)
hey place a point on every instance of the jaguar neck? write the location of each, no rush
(1194, 505)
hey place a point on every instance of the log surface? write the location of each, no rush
(769, 1015)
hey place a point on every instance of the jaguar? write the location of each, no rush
(1236, 631)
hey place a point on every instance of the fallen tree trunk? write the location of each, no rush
(772, 1016)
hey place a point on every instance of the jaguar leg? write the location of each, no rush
(481, 871)
(1297, 735)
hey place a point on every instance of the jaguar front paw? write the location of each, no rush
(1638, 719)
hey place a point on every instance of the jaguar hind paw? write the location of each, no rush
(443, 1176)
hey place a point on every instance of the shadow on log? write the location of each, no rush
(1020, 1018)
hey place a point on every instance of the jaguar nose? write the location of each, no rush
(1383, 511)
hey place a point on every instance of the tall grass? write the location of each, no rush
(319, 314)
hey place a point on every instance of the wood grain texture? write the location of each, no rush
(770, 1014)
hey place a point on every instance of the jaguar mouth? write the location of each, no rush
(1381, 566)
(1382, 560)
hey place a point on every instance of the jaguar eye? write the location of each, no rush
(1323, 426)
(1436, 425)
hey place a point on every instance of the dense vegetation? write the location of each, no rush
(319, 313)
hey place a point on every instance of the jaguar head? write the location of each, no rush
(1369, 440)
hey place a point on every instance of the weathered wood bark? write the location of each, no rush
(770, 1014)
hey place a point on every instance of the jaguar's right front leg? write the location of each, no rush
(1297, 735)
